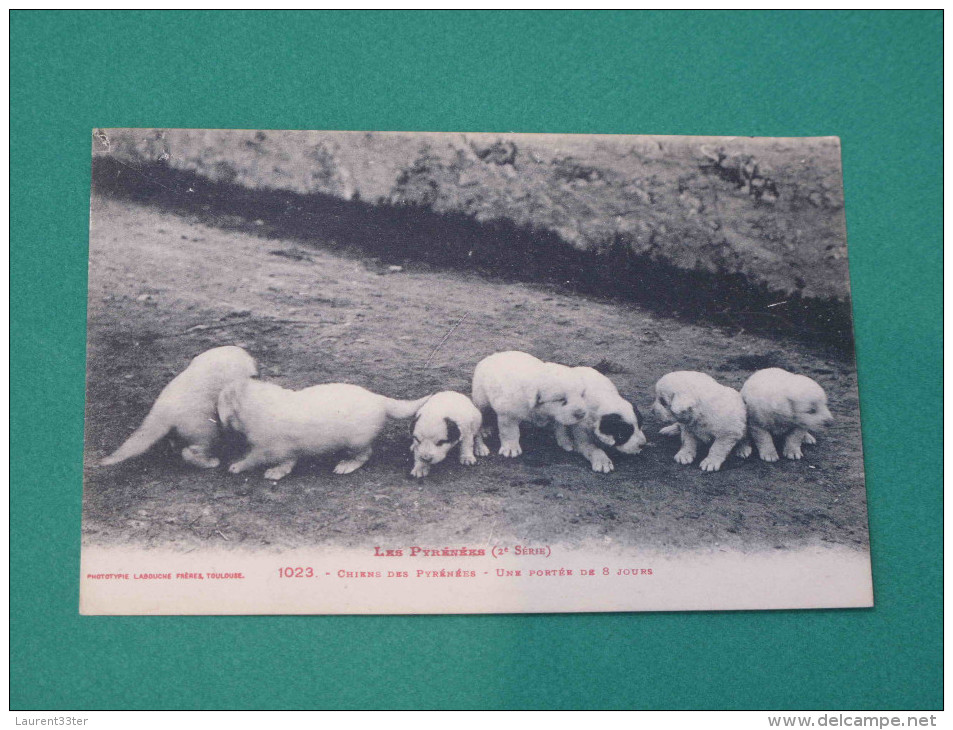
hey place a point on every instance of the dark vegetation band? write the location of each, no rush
(413, 233)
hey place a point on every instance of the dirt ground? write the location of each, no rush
(164, 288)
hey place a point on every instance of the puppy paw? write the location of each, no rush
(480, 449)
(235, 468)
(809, 439)
(769, 456)
(196, 457)
(601, 463)
(510, 450)
(276, 473)
(467, 459)
(710, 464)
(743, 450)
(346, 467)
(671, 430)
(685, 457)
(792, 452)
(420, 470)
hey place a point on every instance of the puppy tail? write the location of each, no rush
(153, 428)
(404, 408)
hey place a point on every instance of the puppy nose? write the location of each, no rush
(426, 458)
(578, 414)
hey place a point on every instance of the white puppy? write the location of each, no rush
(187, 405)
(610, 420)
(282, 425)
(703, 410)
(520, 387)
(784, 404)
(444, 421)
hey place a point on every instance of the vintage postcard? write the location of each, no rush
(391, 372)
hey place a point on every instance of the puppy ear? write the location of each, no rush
(616, 427)
(683, 407)
(453, 430)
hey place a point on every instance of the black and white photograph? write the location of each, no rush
(400, 372)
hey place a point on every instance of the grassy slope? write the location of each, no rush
(659, 194)
(165, 287)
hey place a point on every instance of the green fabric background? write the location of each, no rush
(872, 78)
